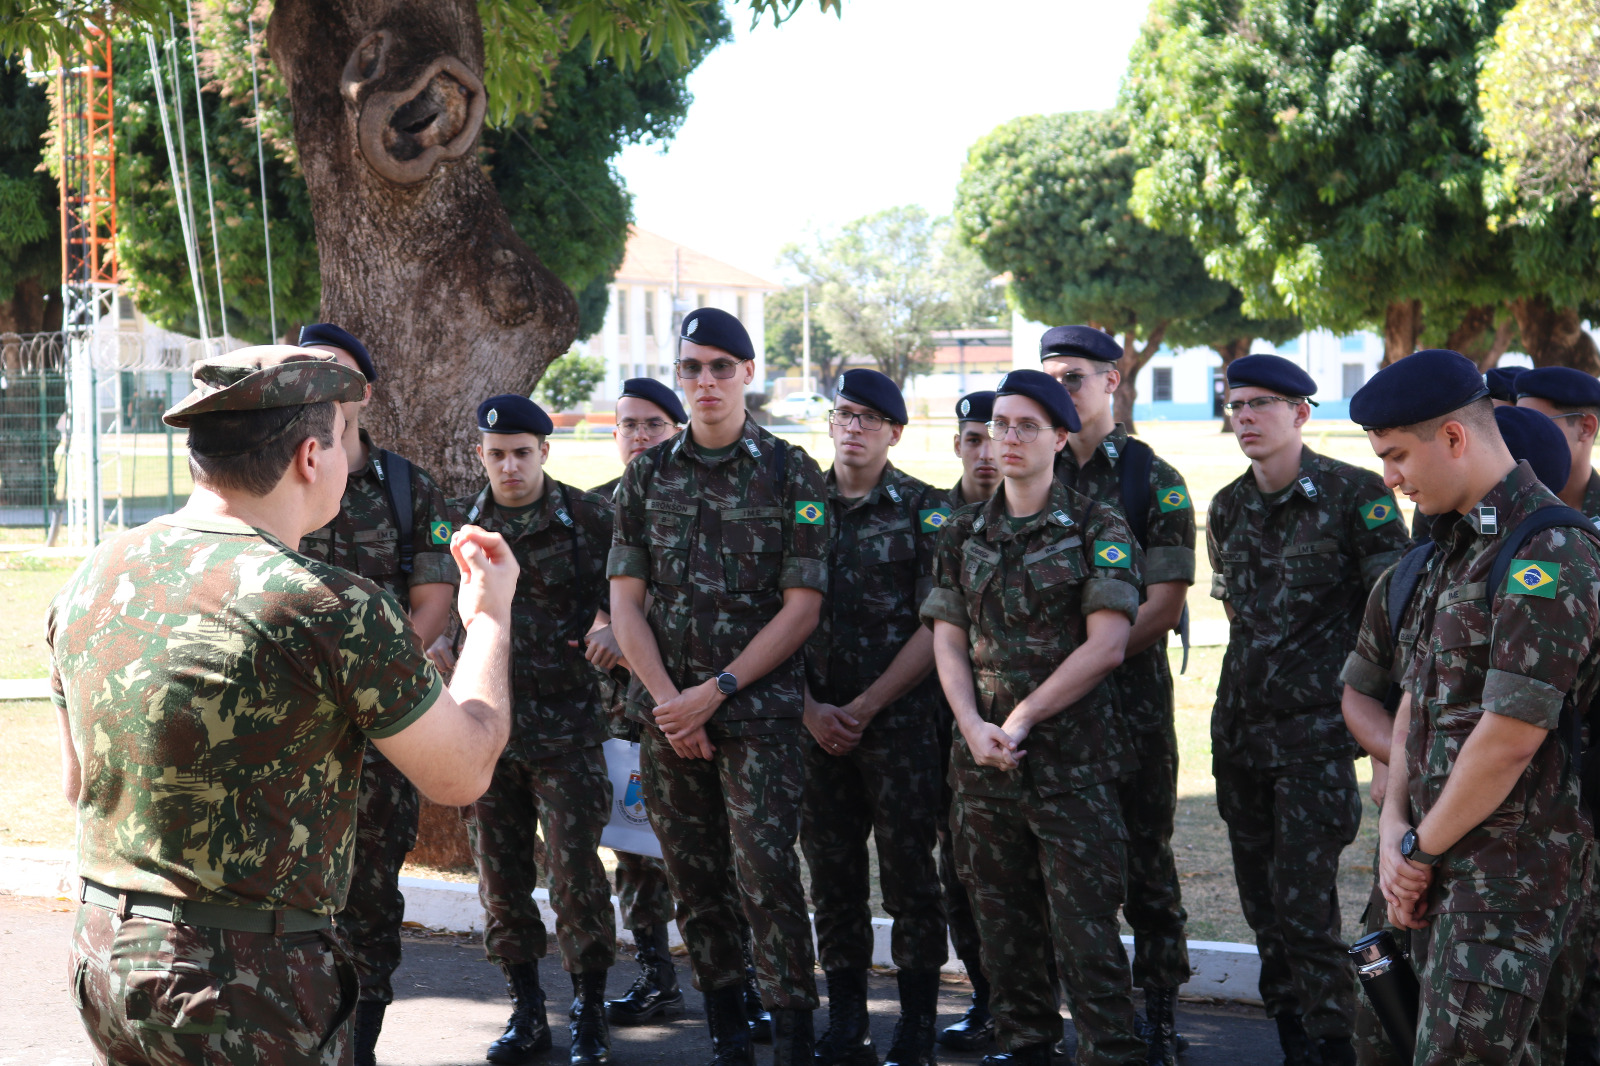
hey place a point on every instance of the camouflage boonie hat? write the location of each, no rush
(264, 377)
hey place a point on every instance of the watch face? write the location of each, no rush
(1408, 843)
(728, 684)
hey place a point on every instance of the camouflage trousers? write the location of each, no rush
(1048, 873)
(386, 829)
(957, 905)
(152, 993)
(738, 810)
(1563, 1013)
(642, 891)
(888, 788)
(1288, 826)
(566, 798)
(1154, 907)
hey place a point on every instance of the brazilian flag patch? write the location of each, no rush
(1533, 579)
(808, 512)
(1173, 499)
(934, 518)
(1110, 553)
(439, 532)
(1379, 511)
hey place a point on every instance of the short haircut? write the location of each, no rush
(248, 451)
(1477, 416)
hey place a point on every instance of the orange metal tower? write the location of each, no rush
(88, 170)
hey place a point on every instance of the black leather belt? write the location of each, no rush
(210, 915)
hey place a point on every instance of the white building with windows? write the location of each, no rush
(638, 338)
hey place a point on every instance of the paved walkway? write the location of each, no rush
(451, 1003)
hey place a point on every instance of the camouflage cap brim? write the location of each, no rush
(265, 377)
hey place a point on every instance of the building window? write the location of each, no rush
(649, 312)
(1161, 384)
(1356, 342)
(1355, 376)
(622, 311)
(741, 306)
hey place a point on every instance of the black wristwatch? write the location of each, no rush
(727, 684)
(1409, 849)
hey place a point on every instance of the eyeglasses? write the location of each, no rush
(1073, 380)
(870, 420)
(629, 427)
(1027, 432)
(1259, 404)
(721, 369)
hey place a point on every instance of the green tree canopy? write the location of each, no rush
(884, 283)
(783, 313)
(570, 381)
(30, 223)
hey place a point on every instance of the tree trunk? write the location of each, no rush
(1230, 351)
(1555, 336)
(1402, 321)
(1480, 338)
(419, 259)
(1133, 361)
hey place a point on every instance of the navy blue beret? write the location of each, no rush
(1044, 390)
(1532, 437)
(1422, 386)
(1083, 341)
(1271, 372)
(510, 413)
(715, 328)
(874, 390)
(1502, 382)
(652, 390)
(1561, 385)
(328, 333)
(975, 407)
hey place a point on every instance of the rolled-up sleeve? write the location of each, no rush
(1365, 676)
(803, 573)
(624, 560)
(1168, 564)
(1110, 594)
(1523, 698)
(944, 605)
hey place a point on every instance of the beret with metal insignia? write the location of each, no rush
(510, 413)
(1083, 341)
(330, 334)
(652, 390)
(875, 390)
(1044, 390)
(1271, 372)
(715, 328)
(975, 406)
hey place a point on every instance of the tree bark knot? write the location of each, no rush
(404, 133)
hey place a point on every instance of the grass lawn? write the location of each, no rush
(27, 585)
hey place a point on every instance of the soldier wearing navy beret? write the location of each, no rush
(1295, 543)
(392, 528)
(979, 473)
(1501, 665)
(552, 771)
(1501, 381)
(872, 764)
(1572, 399)
(1104, 462)
(1034, 595)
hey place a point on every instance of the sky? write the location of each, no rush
(822, 120)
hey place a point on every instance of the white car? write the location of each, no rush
(800, 407)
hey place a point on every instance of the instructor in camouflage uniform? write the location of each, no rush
(872, 766)
(552, 777)
(1296, 543)
(411, 561)
(216, 689)
(1484, 842)
(1034, 595)
(724, 529)
(1097, 462)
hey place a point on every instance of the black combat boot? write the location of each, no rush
(655, 992)
(919, 1007)
(591, 1037)
(364, 1036)
(1336, 1051)
(1032, 1055)
(730, 1032)
(1297, 1049)
(754, 1010)
(794, 1041)
(848, 1039)
(1160, 1030)
(976, 1028)
(527, 1033)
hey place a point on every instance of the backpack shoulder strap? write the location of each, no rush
(1517, 539)
(1403, 583)
(395, 473)
(1134, 472)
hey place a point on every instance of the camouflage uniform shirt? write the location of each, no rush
(880, 568)
(1533, 658)
(1022, 595)
(1144, 681)
(364, 539)
(560, 541)
(218, 686)
(717, 539)
(1295, 568)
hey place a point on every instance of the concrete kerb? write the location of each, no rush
(1223, 972)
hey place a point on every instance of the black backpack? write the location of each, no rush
(394, 473)
(1137, 458)
(1403, 586)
